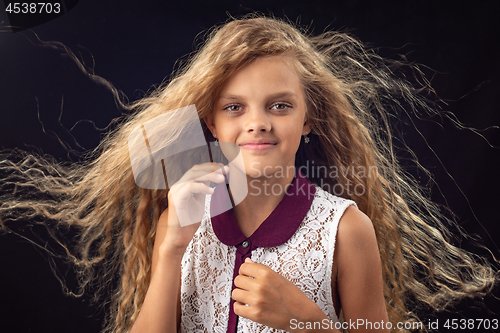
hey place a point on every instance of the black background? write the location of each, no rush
(135, 45)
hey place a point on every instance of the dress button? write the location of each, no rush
(245, 244)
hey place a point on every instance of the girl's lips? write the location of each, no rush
(258, 146)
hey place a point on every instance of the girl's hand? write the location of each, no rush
(186, 204)
(266, 297)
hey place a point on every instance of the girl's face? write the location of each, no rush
(262, 110)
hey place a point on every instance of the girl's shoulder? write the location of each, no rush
(353, 224)
(326, 200)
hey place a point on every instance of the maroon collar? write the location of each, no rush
(279, 226)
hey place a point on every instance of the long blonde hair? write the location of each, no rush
(351, 92)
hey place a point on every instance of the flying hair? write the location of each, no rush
(351, 95)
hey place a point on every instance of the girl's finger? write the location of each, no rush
(250, 269)
(204, 174)
(183, 192)
(242, 309)
(197, 188)
(207, 167)
(243, 282)
(216, 177)
(240, 296)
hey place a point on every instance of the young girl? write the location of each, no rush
(330, 222)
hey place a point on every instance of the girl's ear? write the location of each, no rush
(209, 121)
(306, 129)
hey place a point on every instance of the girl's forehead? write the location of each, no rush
(264, 74)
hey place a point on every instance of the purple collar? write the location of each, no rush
(279, 226)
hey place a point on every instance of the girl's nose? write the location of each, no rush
(257, 121)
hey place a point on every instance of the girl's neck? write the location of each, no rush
(264, 195)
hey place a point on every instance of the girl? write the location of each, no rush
(302, 110)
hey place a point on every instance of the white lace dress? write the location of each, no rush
(306, 259)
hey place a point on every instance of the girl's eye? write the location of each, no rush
(281, 106)
(232, 108)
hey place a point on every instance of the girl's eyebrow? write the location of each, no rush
(283, 94)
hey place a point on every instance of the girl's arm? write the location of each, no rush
(160, 311)
(359, 273)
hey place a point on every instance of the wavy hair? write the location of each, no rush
(351, 95)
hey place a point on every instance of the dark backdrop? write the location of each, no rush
(135, 44)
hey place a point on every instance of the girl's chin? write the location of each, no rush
(270, 172)
(259, 169)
